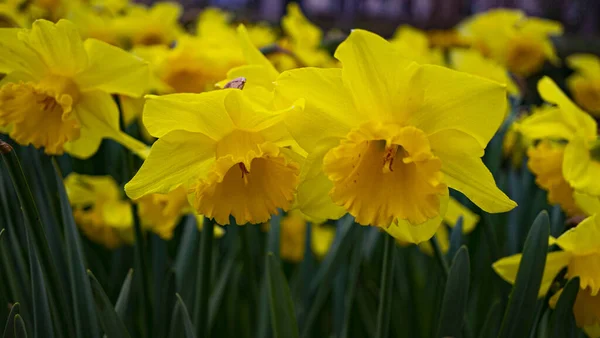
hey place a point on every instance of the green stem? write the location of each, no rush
(439, 255)
(36, 230)
(203, 278)
(140, 256)
(385, 292)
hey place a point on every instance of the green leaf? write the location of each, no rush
(83, 302)
(563, 320)
(41, 310)
(166, 302)
(109, 319)
(216, 297)
(491, 325)
(10, 321)
(273, 239)
(523, 298)
(456, 238)
(456, 294)
(181, 320)
(283, 318)
(123, 300)
(20, 331)
(203, 278)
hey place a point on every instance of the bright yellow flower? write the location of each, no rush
(580, 254)
(303, 39)
(386, 137)
(56, 93)
(573, 126)
(586, 310)
(414, 45)
(92, 23)
(99, 210)
(293, 237)
(472, 62)
(546, 163)
(161, 213)
(227, 151)
(156, 25)
(585, 82)
(455, 210)
(520, 43)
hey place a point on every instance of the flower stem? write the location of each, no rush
(203, 279)
(385, 292)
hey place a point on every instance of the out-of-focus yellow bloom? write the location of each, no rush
(261, 35)
(111, 7)
(546, 163)
(455, 211)
(303, 40)
(149, 26)
(446, 39)
(414, 45)
(515, 144)
(12, 16)
(194, 65)
(580, 254)
(386, 137)
(56, 93)
(94, 24)
(214, 22)
(161, 213)
(228, 153)
(472, 62)
(293, 237)
(99, 210)
(520, 43)
(585, 82)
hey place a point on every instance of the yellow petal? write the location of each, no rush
(113, 70)
(548, 122)
(587, 268)
(404, 231)
(15, 56)
(313, 191)
(508, 267)
(199, 113)
(582, 239)
(377, 76)
(587, 64)
(253, 56)
(460, 101)
(248, 116)
(590, 205)
(176, 159)
(580, 169)
(456, 210)
(329, 111)
(59, 45)
(574, 116)
(470, 176)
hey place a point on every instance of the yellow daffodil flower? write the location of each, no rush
(455, 211)
(94, 24)
(56, 93)
(293, 237)
(580, 254)
(99, 210)
(303, 40)
(520, 43)
(386, 137)
(585, 82)
(472, 62)
(161, 213)
(226, 151)
(149, 26)
(568, 124)
(414, 45)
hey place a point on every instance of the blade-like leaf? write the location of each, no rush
(10, 321)
(491, 325)
(454, 304)
(522, 302)
(109, 319)
(283, 318)
(124, 296)
(41, 310)
(456, 238)
(563, 320)
(181, 322)
(83, 302)
(20, 331)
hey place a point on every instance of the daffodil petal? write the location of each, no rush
(470, 176)
(508, 267)
(328, 111)
(460, 101)
(588, 64)
(547, 122)
(410, 233)
(113, 70)
(253, 56)
(456, 210)
(580, 169)
(582, 239)
(59, 46)
(201, 113)
(17, 56)
(587, 203)
(376, 75)
(176, 159)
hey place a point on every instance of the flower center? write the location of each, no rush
(384, 173)
(250, 187)
(40, 113)
(524, 56)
